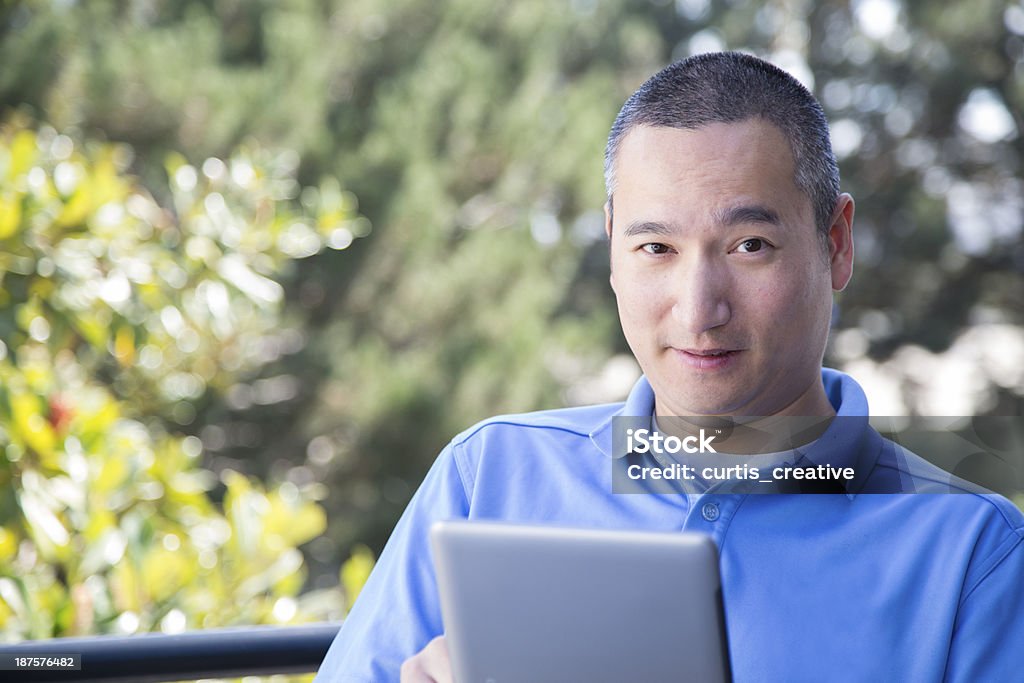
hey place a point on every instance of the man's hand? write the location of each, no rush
(429, 665)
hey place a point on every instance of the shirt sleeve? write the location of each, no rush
(989, 629)
(397, 612)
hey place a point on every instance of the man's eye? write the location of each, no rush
(750, 246)
(655, 248)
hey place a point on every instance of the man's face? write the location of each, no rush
(724, 288)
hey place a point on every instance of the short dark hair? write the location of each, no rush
(729, 87)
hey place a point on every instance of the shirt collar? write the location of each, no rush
(639, 405)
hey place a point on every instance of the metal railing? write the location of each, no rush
(156, 657)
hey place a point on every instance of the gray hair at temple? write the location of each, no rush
(729, 87)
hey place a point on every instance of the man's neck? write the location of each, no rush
(800, 422)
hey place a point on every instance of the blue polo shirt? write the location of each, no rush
(859, 585)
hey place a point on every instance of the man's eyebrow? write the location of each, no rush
(733, 215)
(747, 213)
(648, 228)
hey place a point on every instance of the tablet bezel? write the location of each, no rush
(548, 603)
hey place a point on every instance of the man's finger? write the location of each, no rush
(429, 665)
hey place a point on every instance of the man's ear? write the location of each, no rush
(608, 233)
(840, 243)
(608, 219)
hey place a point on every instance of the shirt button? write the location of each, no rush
(709, 511)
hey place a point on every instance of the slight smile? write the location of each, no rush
(707, 359)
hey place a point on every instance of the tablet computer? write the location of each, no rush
(538, 603)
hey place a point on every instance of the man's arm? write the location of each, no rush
(988, 640)
(397, 613)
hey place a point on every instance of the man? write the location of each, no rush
(728, 236)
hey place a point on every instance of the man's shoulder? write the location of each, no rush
(921, 475)
(918, 475)
(581, 421)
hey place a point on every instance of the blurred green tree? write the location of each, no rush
(117, 316)
(473, 133)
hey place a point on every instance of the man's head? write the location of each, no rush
(728, 87)
(724, 291)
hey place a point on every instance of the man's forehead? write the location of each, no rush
(746, 166)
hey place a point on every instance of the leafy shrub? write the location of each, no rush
(117, 315)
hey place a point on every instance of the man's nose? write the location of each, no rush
(702, 292)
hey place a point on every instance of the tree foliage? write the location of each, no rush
(117, 317)
(473, 135)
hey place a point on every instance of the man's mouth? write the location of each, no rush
(708, 352)
(707, 359)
